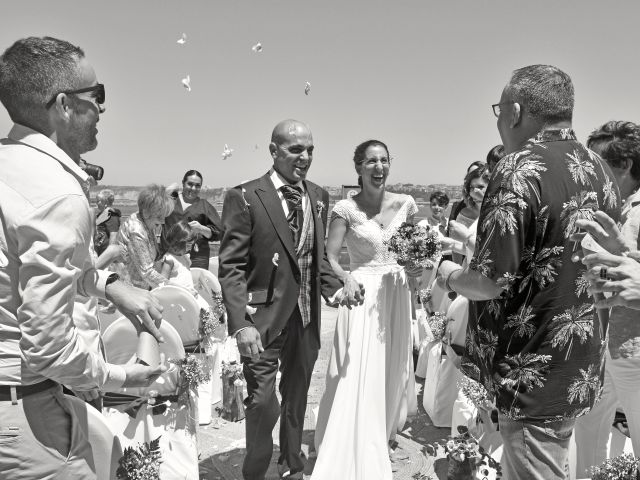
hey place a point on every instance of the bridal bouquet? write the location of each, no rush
(475, 392)
(414, 245)
(623, 467)
(438, 324)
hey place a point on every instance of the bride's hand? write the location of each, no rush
(352, 292)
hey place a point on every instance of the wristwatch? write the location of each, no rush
(112, 278)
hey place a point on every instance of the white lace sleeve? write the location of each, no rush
(341, 210)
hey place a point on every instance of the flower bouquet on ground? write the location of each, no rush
(414, 245)
(467, 459)
(140, 463)
(232, 391)
(623, 467)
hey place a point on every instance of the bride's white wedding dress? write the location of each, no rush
(370, 384)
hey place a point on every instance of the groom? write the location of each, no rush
(273, 260)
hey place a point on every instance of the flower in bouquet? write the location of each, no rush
(208, 322)
(622, 467)
(415, 245)
(438, 324)
(140, 463)
(424, 296)
(193, 371)
(475, 392)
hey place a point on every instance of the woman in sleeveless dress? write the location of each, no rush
(369, 385)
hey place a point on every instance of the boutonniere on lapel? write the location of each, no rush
(319, 207)
(245, 200)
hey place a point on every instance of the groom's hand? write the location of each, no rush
(249, 343)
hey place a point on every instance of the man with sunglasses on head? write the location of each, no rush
(51, 93)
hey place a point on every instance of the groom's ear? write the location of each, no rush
(273, 149)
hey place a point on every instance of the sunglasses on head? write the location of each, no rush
(97, 90)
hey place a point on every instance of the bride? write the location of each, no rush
(369, 384)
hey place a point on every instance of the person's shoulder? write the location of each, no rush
(400, 199)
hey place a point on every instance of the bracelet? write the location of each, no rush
(446, 282)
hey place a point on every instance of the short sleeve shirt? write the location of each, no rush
(543, 330)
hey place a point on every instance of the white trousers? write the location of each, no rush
(621, 387)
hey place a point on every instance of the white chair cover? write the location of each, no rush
(207, 285)
(104, 443)
(181, 310)
(176, 427)
(213, 265)
(120, 343)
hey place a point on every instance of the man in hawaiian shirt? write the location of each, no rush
(534, 339)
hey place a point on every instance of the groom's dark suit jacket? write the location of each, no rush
(258, 259)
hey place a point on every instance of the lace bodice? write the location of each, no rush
(365, 237)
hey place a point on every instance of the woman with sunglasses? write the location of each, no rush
(202, 217)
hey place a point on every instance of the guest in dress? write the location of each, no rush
(175, 262)
(618, 143)
(107, 221)
(201, 215)
(369, 384)
(137, 238)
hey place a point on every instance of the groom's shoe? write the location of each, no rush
(285, 473)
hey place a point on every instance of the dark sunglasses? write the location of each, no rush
(97, 89)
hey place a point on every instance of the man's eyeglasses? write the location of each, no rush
(496, 107)
(97, 90)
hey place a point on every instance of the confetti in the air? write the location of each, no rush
(182, 40)
(257, 47)
(307, 88)
(227, 152)
(275, 259)
(186, 83)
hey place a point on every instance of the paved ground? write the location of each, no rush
(222, 444)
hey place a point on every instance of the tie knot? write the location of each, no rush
(292, 194)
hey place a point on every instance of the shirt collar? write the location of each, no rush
(278, 181)
(554, 135)
(37, 140)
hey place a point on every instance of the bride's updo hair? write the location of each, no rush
(361, 150)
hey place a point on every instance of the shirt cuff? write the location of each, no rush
(116, 376)
(333, 298)
(235, 334)
(94, 283)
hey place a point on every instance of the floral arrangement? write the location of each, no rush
(424, 296)
(193, 371)
(414, 245)
(140, 463)
(210, 321)
(467, 459)
(475, 392)
(232, 391)
(438, 324)
(622, 467)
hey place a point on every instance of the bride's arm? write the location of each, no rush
(351, 292)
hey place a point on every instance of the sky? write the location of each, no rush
(419, 75)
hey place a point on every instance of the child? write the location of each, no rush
(176, 263)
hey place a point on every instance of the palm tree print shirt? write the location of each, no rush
(542, 335)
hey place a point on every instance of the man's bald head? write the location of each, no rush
(286, 129)
(291, 148)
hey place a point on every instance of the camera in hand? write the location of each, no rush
(95, 171)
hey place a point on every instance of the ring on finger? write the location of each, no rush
(603, 273)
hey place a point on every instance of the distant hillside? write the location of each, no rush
(128, 194)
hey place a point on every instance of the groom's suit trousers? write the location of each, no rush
(297, 350)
